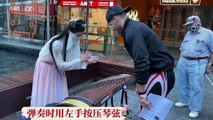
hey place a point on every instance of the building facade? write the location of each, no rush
(23, 18)
(168, 16)
(26, 19)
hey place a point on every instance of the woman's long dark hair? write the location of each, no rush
(59, 37)
(65, 33)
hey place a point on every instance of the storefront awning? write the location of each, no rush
(92, 3)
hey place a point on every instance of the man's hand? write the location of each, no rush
(208, 68)
(143, 101)
(140, 88)
(142, 98)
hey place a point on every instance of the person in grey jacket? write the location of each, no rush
(153, 63)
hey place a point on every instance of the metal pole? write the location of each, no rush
(48, 19)
(8, 17)
(87, 25)
(53, 17)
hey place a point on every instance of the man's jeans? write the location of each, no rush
(190, 76)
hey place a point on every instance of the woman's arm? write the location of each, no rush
(79, 63)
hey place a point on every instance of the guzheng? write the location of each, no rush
(98, 93)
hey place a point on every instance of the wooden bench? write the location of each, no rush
(14, 90)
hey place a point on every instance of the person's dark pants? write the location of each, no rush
(161, 84)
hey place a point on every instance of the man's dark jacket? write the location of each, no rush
(146, 49)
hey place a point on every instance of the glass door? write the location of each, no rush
(173, 18)
(170, 28)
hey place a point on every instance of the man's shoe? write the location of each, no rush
(193, 114)
(179, 104)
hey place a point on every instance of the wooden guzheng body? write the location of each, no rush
(98, 93)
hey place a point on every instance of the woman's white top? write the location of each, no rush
(72, 54)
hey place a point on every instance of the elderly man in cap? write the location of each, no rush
(195, 60)
(152, 62)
